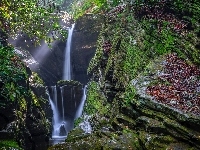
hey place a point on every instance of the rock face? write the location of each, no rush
(63, 131)
(83, 46)
(134, 119)
(39, 120)
(159, 120)
(27, 122)
(51, 61)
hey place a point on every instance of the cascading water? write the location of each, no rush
(55, 114)
(80, 108)
(63, 108)
(63, 123)
(85, 125)
(55, 96)
(67, 64)
(58, 124)
(61, 126)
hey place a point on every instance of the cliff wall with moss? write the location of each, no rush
(25, 113)
(144, 90)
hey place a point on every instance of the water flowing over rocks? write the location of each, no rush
(65, 98)
(72, 94)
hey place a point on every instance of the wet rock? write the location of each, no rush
(62, 130)
(99, 140)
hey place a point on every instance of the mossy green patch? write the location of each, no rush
(9, 144)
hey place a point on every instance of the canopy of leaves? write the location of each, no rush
(37, 18)
(81, 7)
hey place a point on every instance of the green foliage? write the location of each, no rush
(35, 99)
(15, 92)
(8, 145)
(12, 74)
(35, 18)
(98, 54)
(81, 7)
(140, 42)
(187, 8)
(35, 79)
(129, 95)
(168, 40)
(78, 121)
(80, 11)
(95, 100)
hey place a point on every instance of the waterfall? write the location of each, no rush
(63, 124)
(80, 108)
(55, 96)
(60, 125)
(67, 64)
(63, 109)
(55, 115)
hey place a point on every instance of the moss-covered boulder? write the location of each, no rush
(157, 118)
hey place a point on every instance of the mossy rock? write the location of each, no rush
(102, 141)
(151, 125)
(68, 82)
(153, 141)
(179, 145)
(76, 134)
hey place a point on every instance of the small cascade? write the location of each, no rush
(61, 123)
(55, 115)
(55, 96)
(63, 108)
(80, 108)
(58, 124)
(67, 64)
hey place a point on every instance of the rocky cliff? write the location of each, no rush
(83, 46)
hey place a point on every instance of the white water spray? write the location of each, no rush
(80, 108)
(67, 64)
(55, 96)
(55, 115)
(63, 109)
